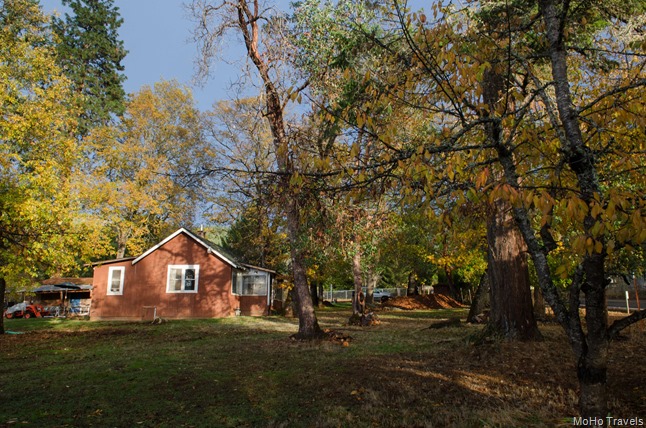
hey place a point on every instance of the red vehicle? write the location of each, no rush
(23, 310)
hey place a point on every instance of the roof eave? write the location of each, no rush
(193, 236)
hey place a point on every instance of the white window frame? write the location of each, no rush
(112, 269)
(184, 268)
(238, 281)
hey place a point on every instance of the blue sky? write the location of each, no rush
(157, 34)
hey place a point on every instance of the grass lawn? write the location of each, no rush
(247, 372)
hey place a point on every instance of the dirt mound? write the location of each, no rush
(425, 301)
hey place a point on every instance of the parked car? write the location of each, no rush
(380, 295)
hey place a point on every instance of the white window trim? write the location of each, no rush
(183, 268)
(111, 269)
(242, 274)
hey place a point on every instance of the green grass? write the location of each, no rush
(247, 372)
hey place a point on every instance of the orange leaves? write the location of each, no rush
(361, 120)
(637, 220)
(505, 192)
(576, 209)
(596, 210)
(482, 178)
(586, 245)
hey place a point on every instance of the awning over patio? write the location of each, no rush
(65, 286)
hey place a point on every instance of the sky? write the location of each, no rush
(157, 35)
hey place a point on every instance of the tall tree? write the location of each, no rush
(591, 348)
(243, 191)
(91, 54)
(245, 19)
(355, 230)
(512, 313)
(563, 159)
(147, 170)
(352, 58)
(565, 153)
(511, 310)
(37, 151)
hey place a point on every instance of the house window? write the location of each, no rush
(182, 278)
(115, 280)
(250, 284)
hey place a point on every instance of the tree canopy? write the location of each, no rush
(146, 171)
(38, 153)
(91, 54)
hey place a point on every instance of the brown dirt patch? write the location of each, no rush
(425, 301)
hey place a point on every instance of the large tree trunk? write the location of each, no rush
(358, 299)
(308, 326)
(3, 288)
(412, 289)
(593, 362)
(511, 313)
(539, 304)
(481, 300)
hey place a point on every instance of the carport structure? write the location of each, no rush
(70, 295)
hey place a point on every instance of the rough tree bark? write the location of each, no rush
(122, 241)
(539, 304)
(511, 312)
(358, 298)
(481, 299)
(593, 355)
(3, 288)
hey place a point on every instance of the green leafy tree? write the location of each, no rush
(91, 54)
(39, 231)
(351, 230)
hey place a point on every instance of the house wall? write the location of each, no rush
(145, 286)
(253, 305)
